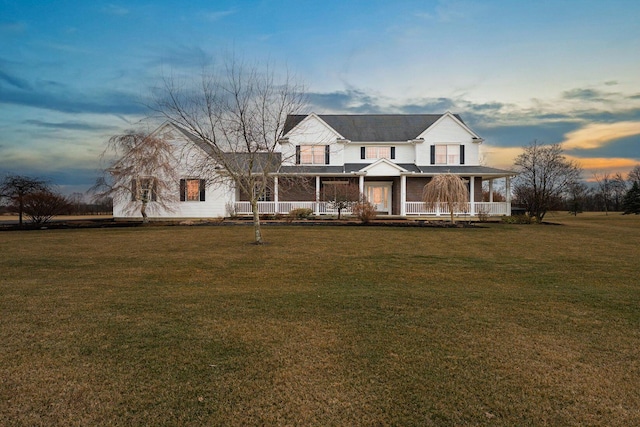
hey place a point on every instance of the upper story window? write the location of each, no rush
(192, 190)
(447, 154)
(312, 154)
(377, 152)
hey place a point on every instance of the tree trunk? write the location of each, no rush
(143, 211)
(20, 210)
(453, 221)
(256, 223)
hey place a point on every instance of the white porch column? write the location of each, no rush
(403, 195)
(507, 190)
(317, 195)
(275, 193)
(361, 185)
(472, 195)
(491, 191)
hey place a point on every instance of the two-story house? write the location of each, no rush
(390, 158)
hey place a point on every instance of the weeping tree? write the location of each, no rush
(235, 113)
(446, 188)
(139, 170)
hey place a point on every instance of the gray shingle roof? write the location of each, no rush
(373, 127)
(356, 167)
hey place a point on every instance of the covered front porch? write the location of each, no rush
(398, 196)
(411, 208)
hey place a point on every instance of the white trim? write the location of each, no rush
(389, 185)
(403, 195)
(387, 161)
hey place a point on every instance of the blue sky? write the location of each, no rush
(72, 73)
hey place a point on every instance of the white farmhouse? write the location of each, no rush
(389, 157)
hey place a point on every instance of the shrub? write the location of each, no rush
(300, 213)
(364, 211)
(231, 210)
(44, 205)
(483, 215)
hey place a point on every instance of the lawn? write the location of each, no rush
(503, 325)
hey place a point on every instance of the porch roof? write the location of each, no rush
(352, 168)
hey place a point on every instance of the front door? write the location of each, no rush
(379, 195)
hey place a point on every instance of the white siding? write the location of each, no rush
(404, 152)
(217, 196)
(447, 131)
(312, 131)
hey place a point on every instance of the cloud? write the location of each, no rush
(583, 94)
(69, 125)
(449, 11)
(218, 15)
(604, 163)
(14, 81)
(499, 157)
(182, 57)
(16, 27)
(112, 9)
(596, 135)
(347, 101)
(428, 105)
(112, 102)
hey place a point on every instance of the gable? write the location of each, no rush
(309, 129)
(448, 128)
(383, 167)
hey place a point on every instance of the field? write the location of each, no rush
(502, 325)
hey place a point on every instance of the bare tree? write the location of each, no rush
(43, 205)
(576, 194)
(341, 195)
(634, 175)
(544, 176)
(15, 188)
(618, 190)
(236, 113)
(446, 188)
(603, 182)
(140, 170)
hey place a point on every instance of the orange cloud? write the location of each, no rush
(596, 135)
(605, 163)
(499, 157)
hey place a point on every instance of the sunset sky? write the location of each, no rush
(72, 73)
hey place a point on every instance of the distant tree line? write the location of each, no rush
(38, 201)
(548, 181)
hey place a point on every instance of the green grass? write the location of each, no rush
(504, 325)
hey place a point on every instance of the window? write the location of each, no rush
(263, 196)
(312, 154)
(447, 154)
(378, 153)
(144, 189)
(192, 190)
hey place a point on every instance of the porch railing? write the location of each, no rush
(412, 208)
(488, 208)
